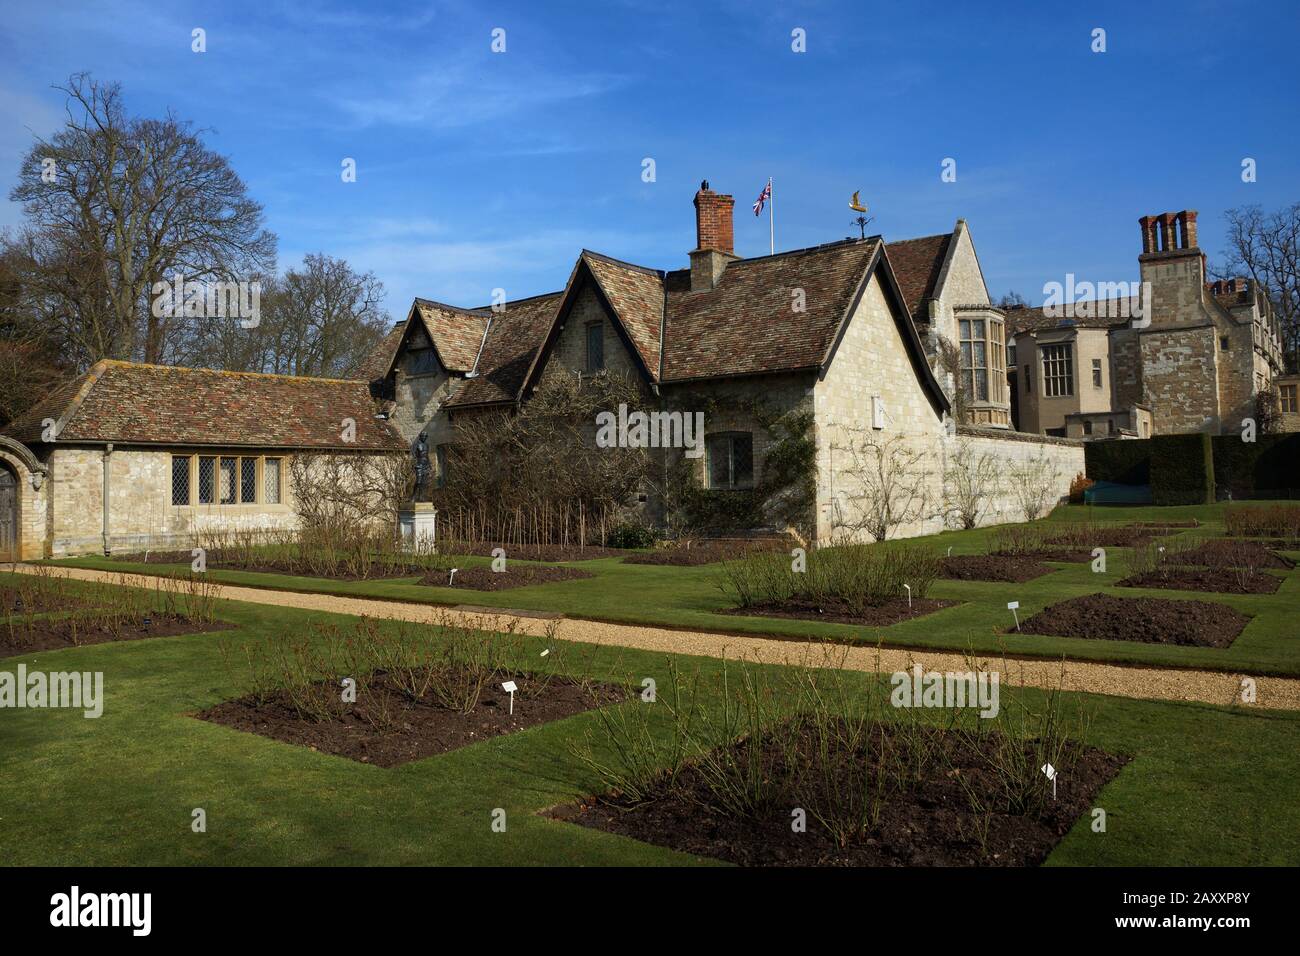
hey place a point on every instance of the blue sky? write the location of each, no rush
(478, 170)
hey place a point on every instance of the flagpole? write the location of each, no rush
(771, 218)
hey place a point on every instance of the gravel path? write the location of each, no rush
(1141, 682)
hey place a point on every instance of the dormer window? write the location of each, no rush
(595, 346)
(421, 358)
(421, 362)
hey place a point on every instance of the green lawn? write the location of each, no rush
(1206, 785)
(690, 598)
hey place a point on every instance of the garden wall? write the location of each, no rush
(1013, 456)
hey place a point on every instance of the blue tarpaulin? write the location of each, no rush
(1110, 493)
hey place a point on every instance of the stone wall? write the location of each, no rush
(1180, 375)
(571, 346)
(872, 362)
(141, 515)
(1013, 459)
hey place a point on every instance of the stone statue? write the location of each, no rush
(423, 471)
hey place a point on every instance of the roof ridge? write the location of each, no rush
(621, 262)
(850, 241)
(221, 371)
(509, 302)
(937, 235)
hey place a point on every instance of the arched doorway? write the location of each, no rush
(8, 514)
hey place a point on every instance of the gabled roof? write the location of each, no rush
(637, 296)
(917, 264)
(628, 292)
(512, 340)
(380, 360)
(131, 403)
(747, 323)
(457, 334)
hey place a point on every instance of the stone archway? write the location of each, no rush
(23, 494)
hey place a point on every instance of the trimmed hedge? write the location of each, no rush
(1270, 463)
(1123, 461)
(1182, 469)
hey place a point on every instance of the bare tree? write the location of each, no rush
(537, 475)
(335, 490)
(116, 203)
(950, 362)
(969, 481)
(887, 483)
(1266, 247)
(1035, 482)
(320, 320)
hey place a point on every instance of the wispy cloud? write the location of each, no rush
(455, 96)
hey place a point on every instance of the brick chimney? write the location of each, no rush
(714, 238)
(1169, 232)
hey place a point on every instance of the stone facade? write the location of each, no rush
(1196, 362)
(69, 516)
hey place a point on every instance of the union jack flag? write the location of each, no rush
(763, 197)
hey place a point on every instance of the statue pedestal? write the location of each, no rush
(417, 523)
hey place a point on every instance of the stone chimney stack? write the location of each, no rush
(1173, 267)
(1169, 232)
(714, 238)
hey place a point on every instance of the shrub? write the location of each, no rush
(1282, 521)
(858, 576)
(1123, 461)
(1244, 469)
(1182, 469)
(1078, 486)
(630, 535)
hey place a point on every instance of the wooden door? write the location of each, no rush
(8, 515)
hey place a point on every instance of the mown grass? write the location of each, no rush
(691, 598)
(1205, 786)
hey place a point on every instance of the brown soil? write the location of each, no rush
(706, 552)
(377, 572)
(514, 576)
(1223, 580)
(930, 823)
(1149, 620)
(415, 730)
(538, 552)
(839, 612)
(45, 635)
(1231, 554)
(1089, 538)
(990, 567)
(1283, 544)
(38, 602)
(1048, 554)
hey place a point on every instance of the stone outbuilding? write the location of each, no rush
(130, 456)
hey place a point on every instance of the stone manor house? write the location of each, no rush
(871, 338)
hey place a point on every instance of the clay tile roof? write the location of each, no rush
(376, 365)
(1033, 319)
(637, 295)
(512, 340)
(746, 325)
(916, 264)
(457, 334)
(131, 403)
